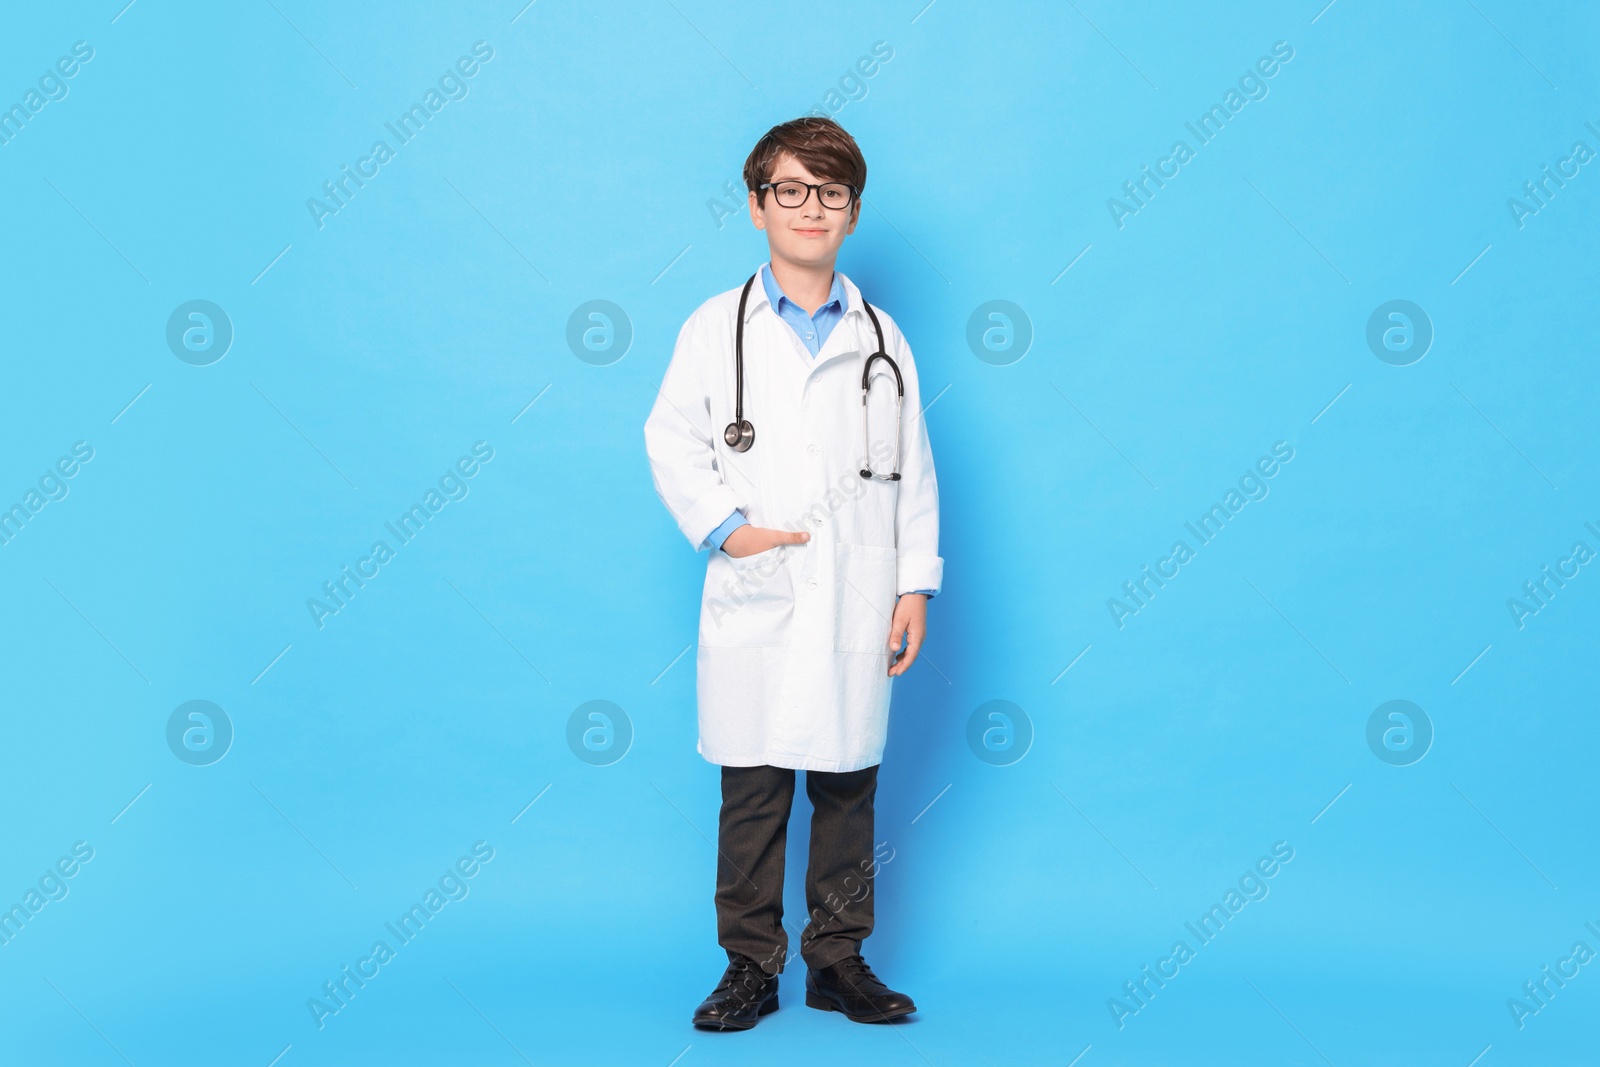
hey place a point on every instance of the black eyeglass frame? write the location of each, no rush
(855, 194)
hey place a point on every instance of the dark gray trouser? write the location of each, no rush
(751, 834)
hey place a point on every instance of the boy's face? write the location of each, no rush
(808, 235)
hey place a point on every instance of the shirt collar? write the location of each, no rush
(842, 292)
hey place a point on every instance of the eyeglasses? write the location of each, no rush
(836, 195)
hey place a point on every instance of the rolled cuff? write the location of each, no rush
(716, 537)
(915, 574)
(708, 513)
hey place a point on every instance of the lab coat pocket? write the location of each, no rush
(863, 597)
(748, 601)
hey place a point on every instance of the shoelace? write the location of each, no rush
(855, 970)
(735, 976)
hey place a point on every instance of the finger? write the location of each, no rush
(789, 537)
(897, 630)
(904, 660)
(901, 662)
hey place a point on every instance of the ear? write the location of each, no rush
(855, 217)
(758, 216)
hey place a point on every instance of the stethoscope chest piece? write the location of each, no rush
(740, 435)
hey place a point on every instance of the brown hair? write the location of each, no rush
(820, 144)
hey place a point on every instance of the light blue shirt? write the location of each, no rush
(812, 331)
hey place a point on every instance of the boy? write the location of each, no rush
(819, 506)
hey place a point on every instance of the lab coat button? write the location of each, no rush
(813, 450)
(816, 520)
(811, 583)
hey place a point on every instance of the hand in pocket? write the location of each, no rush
(748, 540)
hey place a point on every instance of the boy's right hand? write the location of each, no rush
(748, 540)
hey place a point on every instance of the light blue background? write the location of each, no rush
(425, 716)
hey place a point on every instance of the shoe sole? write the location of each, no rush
(717, 1024)
(816, 1000)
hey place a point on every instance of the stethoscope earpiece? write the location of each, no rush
(740, 434)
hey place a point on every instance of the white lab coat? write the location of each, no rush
(794, 641)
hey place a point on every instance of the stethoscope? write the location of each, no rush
(740, 434)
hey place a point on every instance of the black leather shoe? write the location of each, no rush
(745, 993)
(849, 986)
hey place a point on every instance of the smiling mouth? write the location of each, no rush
(811, 232)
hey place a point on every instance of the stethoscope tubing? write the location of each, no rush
(899, 405)
(740, 434)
